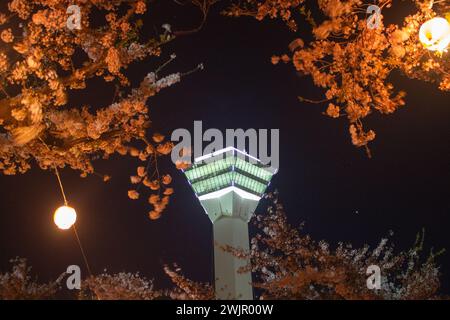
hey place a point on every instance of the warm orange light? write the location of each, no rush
(435, 34)
(65, 217)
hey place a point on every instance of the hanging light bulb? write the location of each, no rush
(65, 217)
(435, 34)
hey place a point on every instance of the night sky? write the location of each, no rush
(323, 180)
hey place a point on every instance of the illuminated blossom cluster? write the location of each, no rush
(186, 289)
(158, 185)
(272, 9)
(42, 66)
(18, 284)
(121, 286)
(352, 62)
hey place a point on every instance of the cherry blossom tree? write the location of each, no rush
(289, 264)
(44, 59)
(120, 286)
(351, 58)
(18, 284)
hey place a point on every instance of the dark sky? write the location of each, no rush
(323, 180)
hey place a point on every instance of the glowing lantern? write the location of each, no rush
(435, 34)
(65, 217)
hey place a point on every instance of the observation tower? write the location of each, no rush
(229, 184)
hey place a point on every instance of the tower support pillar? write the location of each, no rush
(229, 282)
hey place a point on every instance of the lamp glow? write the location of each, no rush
(65, 217)
(435, 34)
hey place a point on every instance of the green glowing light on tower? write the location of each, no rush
(226, 168)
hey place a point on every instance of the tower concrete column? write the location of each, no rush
(229, 282)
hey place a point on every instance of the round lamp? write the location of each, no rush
(65, 217)
(435, 34)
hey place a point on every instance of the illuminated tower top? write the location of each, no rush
(226, 172)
